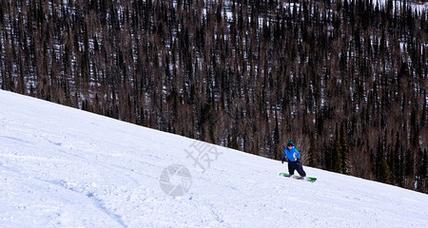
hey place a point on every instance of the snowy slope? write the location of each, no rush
(61, 167)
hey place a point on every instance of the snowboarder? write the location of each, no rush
(293, 157)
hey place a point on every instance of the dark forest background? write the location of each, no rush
(346, 80)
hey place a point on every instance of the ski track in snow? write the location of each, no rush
(61, 167)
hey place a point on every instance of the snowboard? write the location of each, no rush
(310, 179)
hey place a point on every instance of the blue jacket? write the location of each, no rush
(292, 155)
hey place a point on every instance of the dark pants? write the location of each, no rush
(296, 166)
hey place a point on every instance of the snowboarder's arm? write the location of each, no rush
(284, 155)
(297, 155)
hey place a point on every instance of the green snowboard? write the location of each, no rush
(310, 179)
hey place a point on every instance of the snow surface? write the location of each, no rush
(62, 167)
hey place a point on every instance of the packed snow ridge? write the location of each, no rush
(62, 167)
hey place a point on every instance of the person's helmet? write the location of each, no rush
(290, 143)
